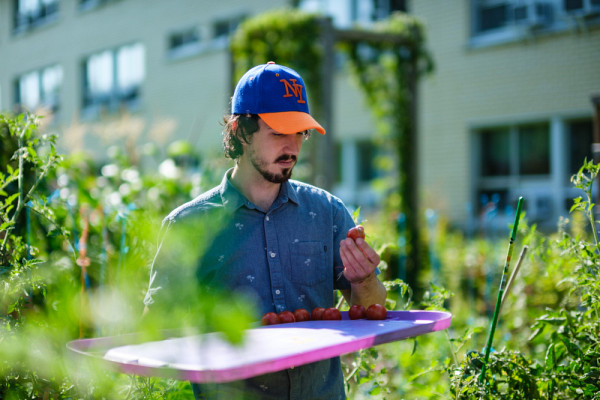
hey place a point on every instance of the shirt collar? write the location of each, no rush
(233, 199)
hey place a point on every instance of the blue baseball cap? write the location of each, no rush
(278, 95)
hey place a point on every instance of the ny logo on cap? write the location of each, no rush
(295, 88)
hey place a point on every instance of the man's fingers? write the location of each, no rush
(359, 259)
(368, 251)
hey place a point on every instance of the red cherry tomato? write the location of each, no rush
(317, 314)
(270, 318)
(356, 232)
(302, 314)
(357, 311)
(285, 317)
(332, 314)
(376, 311)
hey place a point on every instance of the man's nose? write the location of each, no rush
(293, 143)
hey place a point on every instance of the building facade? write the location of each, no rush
(506, 113)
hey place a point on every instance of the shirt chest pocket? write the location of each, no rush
(309, 263)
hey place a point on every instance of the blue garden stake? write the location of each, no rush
(123, 250)
(103, 252)
(75, 235)
(432, 218)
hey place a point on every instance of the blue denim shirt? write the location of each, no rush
(288, 256)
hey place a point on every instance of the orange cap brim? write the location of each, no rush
(290, 122)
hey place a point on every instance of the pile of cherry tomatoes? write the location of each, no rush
(373, 312)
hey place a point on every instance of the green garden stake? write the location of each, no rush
(488, 347)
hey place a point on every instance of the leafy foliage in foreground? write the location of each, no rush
(74, 263)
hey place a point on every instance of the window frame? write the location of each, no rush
(546, 194)
(116, 97)
(526, 18)
(42, 15)
(44, 96)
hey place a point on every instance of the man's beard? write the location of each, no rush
(261, 167)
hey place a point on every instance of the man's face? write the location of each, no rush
(272, 154)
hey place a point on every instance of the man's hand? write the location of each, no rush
(360, 262)
(359, 259)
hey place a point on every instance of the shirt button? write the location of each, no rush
(277, 291)
(267, 218)
(272, 254)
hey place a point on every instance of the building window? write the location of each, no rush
(518, 160)
(184, 38)
(492, 15)
(580, 143)
(582, 7)
(184, 43)
(347, 13)
(113, 78)
(495, 152)
(90, 4)
(499, 21)
(29, 14)
(521, 150)
(534, 149)
(367, 170)
(223, 28)
(358, 165)
(356, 162)
(40, 88)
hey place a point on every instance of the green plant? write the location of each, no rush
(77, 238)
(563, 362)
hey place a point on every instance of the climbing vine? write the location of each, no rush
(386, 62)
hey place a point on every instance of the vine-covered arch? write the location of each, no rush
(386, 60)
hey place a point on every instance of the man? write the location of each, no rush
(282, 240)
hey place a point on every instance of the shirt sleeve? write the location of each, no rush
(173, 275)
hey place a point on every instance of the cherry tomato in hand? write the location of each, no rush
(376, 311)
(285, 317)
(332, 314)
(301, 314)
(317, 314)
(270, 318)
(357, 311)
(356, 232)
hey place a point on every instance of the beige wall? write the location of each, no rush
(534, 78)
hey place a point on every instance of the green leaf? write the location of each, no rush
(550, 359)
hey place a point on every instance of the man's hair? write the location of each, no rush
(238, 128)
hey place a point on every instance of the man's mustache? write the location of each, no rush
(286, 157)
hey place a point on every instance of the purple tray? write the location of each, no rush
(210, 358)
